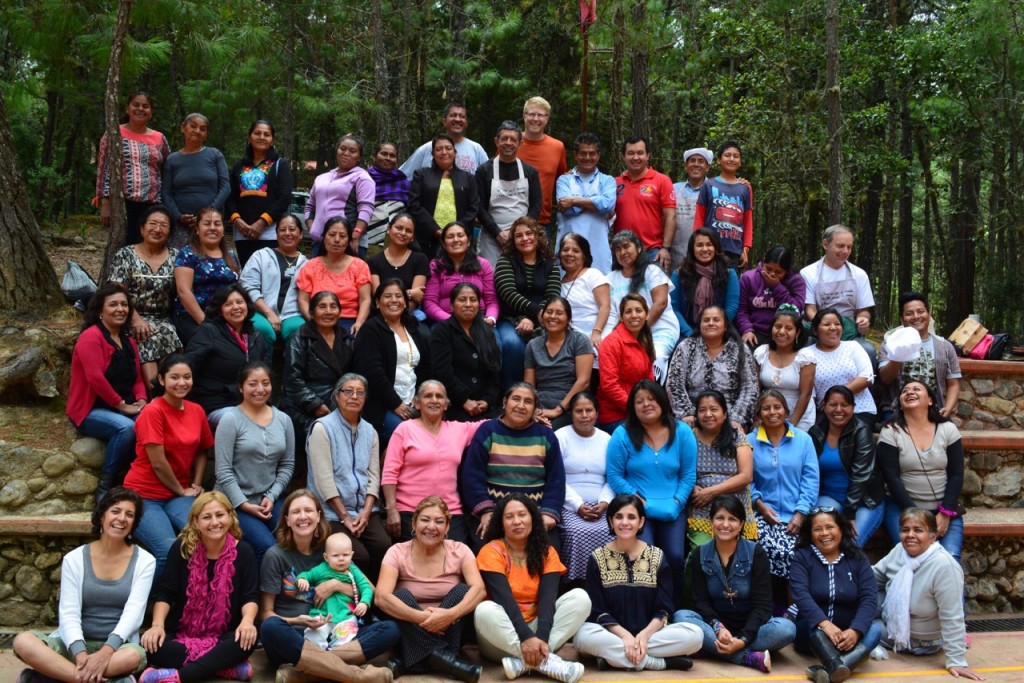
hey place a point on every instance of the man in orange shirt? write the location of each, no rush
(543, 152)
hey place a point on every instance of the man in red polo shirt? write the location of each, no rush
(646, 202)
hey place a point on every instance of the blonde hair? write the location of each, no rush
(190, 536)
(537, 101)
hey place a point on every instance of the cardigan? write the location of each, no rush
(261, 278)
(423, 199)
(624, 362)
(89, 361)
(785, 478)
(523, 288)
(857, 453)
(456, 363)
(440, 283)
(376, 356)
(216, 358)
(69, 616)
(853, 596)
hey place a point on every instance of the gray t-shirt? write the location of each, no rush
(924, 476)
(277, 577)
(556, 374)
(102, 611)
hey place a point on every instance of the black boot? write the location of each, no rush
(679, 663)
(447, 662)
(837, 669)
(397, 666)
(854, 657)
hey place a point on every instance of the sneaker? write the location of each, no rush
(514, 667)
(679, 663)
(152, 675)
(239, 672)
(557, 668)
(762, 661)
(33, 676)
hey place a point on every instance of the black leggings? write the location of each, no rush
(224, 655)
(418, 643)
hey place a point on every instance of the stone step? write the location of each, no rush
(994, 522)
(71, 524)
(1002, 368)
(992, 439)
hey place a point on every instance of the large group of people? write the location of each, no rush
(504, 381)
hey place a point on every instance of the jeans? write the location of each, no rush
(215, 417)
(953, 541)
(867, 520)
(869, 640)
(118, 430)
(513, 353)
(283, 643)
(161, 521)
(388, 427)
(671, 538)
(259, 533)
(775, 634)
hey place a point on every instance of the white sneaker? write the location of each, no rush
(514, 667)
(557, 668)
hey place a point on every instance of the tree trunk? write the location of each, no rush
(965, 182)
(833, 96)
(615, 116)
(383, 104)
(28, 283)
(638, 59)
(906, 213)
(455, 81)
(112, 110)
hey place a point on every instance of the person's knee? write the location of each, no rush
(25, 641)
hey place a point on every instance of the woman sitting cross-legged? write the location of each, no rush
(429, 585)
(630, 585)
(732, 593)
(835, 594)
(205, 602)
(103, 589)
(524, 623)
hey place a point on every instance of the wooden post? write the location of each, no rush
(586, 58)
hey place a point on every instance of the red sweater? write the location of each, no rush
(88, 363)
(624, 362)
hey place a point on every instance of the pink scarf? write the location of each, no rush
(704, 294)
(207, 603)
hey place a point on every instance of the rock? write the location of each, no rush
(6, 590)
(58, 506)
(974, 424)
(965, 392)
(982, 386)
(89, 451)
(20, 462)
(985, 461)
(58, 464)
(997, 405)
(974, 563)
(984, 417)
(998, 567)
(55, 576)
(32, 585)
(1003, 584)
(964, 410)
(19, 613)
(1004, 483)
(14, 494)
(1009, 390)
(1005, 422)
(987, 590)
(1018, 585)
(13, 554)
(36, 485)
(972, 483)
(79, 483)
(48, 616)
(972, 607)
(78, 240)
(47, 560)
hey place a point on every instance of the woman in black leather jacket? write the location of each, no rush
(846, 461)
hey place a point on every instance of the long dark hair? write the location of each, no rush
(99, 298)
(688, 268)
(636, 281)
(470, 262)
(484, 340)
(847, 544)
(645, 337)
(899, 420)
(731, 334)
(407, 319)
(536, 542)
(634, 428)
(220, 297)
(789, 311)
(725, 442)
(197, 246)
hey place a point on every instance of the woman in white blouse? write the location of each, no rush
(842, 362)
(784, 364)
(587, 492)
(585, 288)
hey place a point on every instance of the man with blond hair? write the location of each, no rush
(543, 152)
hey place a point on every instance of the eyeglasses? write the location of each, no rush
(828, 509)
(353, 393)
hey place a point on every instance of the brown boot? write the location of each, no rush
(319, 664)
(289, 674)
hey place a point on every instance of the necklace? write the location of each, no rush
(394, 262)
(572, 283)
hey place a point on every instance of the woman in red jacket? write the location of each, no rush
(627, 356)
(107, 391)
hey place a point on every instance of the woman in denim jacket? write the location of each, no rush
(732, 593)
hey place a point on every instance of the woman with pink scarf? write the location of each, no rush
(205, 602)
(704, 279)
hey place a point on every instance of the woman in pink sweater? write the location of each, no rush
(423, 459)
(457, 263)
(627, 356)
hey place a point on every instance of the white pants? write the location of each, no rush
(497, 637)
(674, 640)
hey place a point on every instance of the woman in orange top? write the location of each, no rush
(337, 270)
(522, 572)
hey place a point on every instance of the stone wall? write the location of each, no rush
(994, 575)
(993, 479)
(41, 481)
(30, 578)
(991, 402)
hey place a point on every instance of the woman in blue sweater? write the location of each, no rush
(835, 594)
(654, 456)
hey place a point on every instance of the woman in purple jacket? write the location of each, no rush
(763, 290)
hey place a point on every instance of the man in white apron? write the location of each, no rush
(696, 161)
(509, 189)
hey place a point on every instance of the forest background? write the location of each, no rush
(900, 118)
